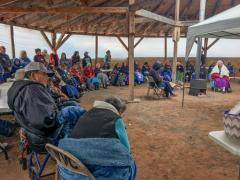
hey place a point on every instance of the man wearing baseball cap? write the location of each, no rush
(35, 109)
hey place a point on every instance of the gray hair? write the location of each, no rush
(117, 102)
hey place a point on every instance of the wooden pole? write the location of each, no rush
(96, 50)
(12, 41)
(199, 48)
(165, 47)
(46, 39)
(205, 47)
(176, 36)
(131, 33)
(54, 37)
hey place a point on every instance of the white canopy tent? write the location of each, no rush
(225, 25)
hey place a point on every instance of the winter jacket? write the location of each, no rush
(102, 121)
(34, 108)
(105, 158)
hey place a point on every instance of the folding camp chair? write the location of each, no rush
(34, 164)
(152, 85)
(68, 161)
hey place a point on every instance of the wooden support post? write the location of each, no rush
(46, 39)
(165, 47)
(96, 50)
(135, 45)
(64, 40)
(205, 47)
(131, 33)
(12, 41)
(176, 36)
(199, 48)
(59, 40)
(122, 42)
(54, 37)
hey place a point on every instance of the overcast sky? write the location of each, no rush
(28, 40)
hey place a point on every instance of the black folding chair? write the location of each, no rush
(158, 91)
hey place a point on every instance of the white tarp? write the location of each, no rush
(225, 25)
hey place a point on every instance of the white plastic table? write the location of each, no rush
(221, 139)
(4, 108)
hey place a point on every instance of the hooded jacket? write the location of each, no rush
(33, 107)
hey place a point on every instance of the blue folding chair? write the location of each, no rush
(36, 146)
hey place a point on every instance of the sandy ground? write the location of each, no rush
(168, 142)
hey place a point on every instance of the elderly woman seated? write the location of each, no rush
(160, 82)
(101, 76)
(100, 141)
(91, 80)
(220, 76)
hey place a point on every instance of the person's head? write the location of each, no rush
(76, 53)
(38, 51)
(146, 63)
(86, 54)
(98, 65)
(63, 55)
(54, 51)
(117, 102)
(51, 66)
(23, 54)
(219, 63)
(17, 61)
(108, 52)
(19, 74)
(229, 63)
(2, 50)
(44, 52)
(37, 72)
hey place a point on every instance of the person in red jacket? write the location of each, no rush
(75, 71)
(88, 71)
(54, 60)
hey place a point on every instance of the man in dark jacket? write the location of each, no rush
(158, 79)
(33, 106)
(86, 60)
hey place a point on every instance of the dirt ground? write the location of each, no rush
(168, 142)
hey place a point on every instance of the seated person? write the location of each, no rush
(5, 64)
(90, 79)
(86, 59)
(24, 58)
(75, 71)
(220, 75)
(230, 68)
(167, 72)
(34, 108)
(39, 57)
(60, 98)
(180, 72)
(145, 69)
(155, 73)
(139, 78)
(17, 64)
(210, 68)
(101, 131)
(190, 70)
(101, 76)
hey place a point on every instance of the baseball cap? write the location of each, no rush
(37, 66)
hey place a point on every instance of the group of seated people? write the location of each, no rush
(41, 111)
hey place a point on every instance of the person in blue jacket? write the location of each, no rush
(100, 141)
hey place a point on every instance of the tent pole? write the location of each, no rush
(176, 37)
(96, 50)
(165, 47)
(131, 32)
(199, 48)
(12, 41)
